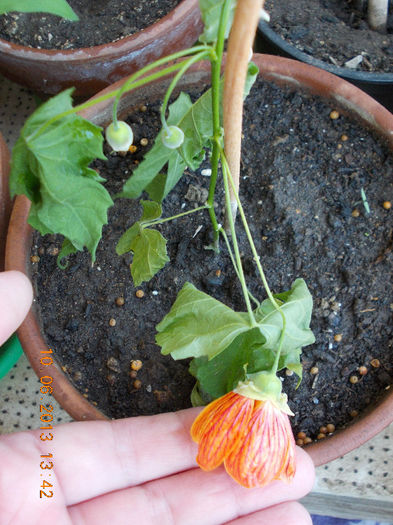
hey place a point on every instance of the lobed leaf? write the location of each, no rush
(150, 255)
(50, 165)
(198, 325)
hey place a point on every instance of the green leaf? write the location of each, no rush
(198, 325)
(150, 255)
(156, 158)
(297, 308)
(50, 167)
(66, 249)
(221, 374)
(55, 7)
(252, 75)
(211, 12)
(151, 210)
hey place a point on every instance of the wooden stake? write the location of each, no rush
(240, 43)
(378, 14)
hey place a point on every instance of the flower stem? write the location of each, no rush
(236, 246)
(185, 65)
(103, 98)
(274, 302)
(223, 233)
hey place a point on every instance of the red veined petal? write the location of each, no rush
(267, 451)
(220, 427)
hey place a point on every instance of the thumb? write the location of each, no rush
(16, 295)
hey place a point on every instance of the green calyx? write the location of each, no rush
(264, 386)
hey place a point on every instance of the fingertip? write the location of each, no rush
(16, 294)
(305, 472)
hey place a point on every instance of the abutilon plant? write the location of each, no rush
(235, 356)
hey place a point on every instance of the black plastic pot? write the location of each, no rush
(377, 85)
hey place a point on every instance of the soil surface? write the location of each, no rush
(333, 31)
(302, 176)
(100, 22)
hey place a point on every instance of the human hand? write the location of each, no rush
(140, 470)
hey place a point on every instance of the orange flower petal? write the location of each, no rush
(220, 427)
(266, 452)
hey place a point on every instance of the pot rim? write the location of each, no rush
(140, 39)
(281, 71)
(292, 51)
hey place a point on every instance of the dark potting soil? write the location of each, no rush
(302, 176)
(333, 31)
(100, 22)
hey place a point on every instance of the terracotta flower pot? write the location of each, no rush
(280, 71)
(94, 68)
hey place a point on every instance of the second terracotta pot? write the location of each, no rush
(47, 72)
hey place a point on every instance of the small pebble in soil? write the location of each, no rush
(140, 294)
(330, 428)
(387, 205)
(362, 370)
(375, 363)
(136, 364)
(35, 258)
(132, 148)
(52, 250)
(334, 114)
(354, 413)
(113, 364)
(344, 137)
(323, 430)
(299, 442)
(354, 380)
(338, 338)
(133, 374)
(120, 301)
(355, 213)
(143, 108)
(288, 372)
(137, 384)
(77, 375)
(301, 435)
(112, 322)
(307, 440)
(314, 370)
(144, 142)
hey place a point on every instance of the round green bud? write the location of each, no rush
(172, 137)
(119, 136)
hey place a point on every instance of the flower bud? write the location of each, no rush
(119, 136)
(172, 137)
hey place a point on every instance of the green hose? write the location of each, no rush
(10, 352)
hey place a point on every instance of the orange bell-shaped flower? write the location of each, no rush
(252, 437)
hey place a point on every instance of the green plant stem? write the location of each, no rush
(186, 65)
(183, 214)
(223, 233)
(126, 86)
(236, 249)
(257, 260)
(216, 99)
(85, 105)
